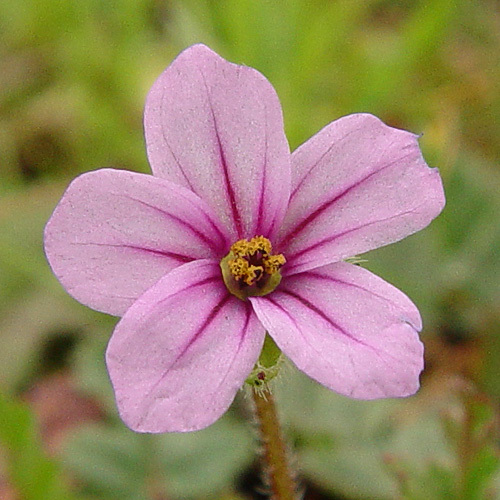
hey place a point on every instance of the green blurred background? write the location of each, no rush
(73, 79)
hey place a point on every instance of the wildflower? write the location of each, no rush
(234, 236)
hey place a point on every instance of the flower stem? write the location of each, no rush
(277, 468)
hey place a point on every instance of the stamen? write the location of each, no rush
(273, 263)
(245, 248)
(243, 271)
(250, 268)
(239, 268)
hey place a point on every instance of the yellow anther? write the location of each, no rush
(240, 248)
(259, 244)
(246, 248)
(254, 273)
(243, 271)
(253, 259)
(273, 263)
(238, 268)
(250, 268)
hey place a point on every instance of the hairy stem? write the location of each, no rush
(277, 468)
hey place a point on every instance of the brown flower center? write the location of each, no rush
(251, 269)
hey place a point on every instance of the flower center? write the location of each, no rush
(251, 269)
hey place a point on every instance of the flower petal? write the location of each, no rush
(217, 128)
(115, 233)
(348, 329)
(182, 351)
(356, 185)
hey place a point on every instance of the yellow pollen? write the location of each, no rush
(251, 261)
(245, 248)
(273, 263)
(243, 271)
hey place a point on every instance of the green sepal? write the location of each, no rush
(268, 365)
(247, 291)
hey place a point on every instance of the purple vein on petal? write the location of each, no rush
(208, 320)
(243, 335)
(172, 255)
(314, 165)
(322, 277)
(195, 231)
(197, 335)
(232, 200)
(262, 188)
(293, 320)
(329, 203)
(339, 235)
(320, 313)
(331, 322)
(167, 143)
(223, 163)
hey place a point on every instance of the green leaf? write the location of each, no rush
(340, 441)
(199, 464)
(480, 473)
(356, 470)
(110, 463)
(116, 463)
(32, 473)
(435, 482)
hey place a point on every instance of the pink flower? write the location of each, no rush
(149, 248)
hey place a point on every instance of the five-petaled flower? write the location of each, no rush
(234, 236)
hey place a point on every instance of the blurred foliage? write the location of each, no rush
(36, 476)
(72, 87)
(115, 463)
